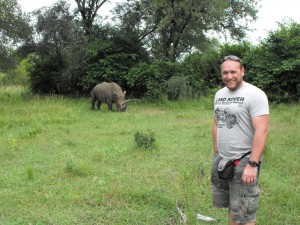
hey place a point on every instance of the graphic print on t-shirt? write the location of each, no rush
(225, 117)
(225, 114)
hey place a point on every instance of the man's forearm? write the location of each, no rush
(214, 135)
(260, 137)
(258, 146)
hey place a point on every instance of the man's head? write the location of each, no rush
(232, 71)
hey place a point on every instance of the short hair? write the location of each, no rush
(232, 57)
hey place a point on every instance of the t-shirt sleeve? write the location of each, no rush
(215, 99)
(259, 104)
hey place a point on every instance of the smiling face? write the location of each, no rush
(232, 74)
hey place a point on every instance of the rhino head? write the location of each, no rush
(120, 101)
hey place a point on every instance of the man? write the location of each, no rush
(240, 126)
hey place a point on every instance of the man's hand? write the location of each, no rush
(249, 175)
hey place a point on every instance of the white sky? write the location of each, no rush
(271, 12)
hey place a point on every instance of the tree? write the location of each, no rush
(174, 27)
(274, 65)
(88, 11)
(14, 28)
(110, 57)
(58, 51)
(56, 30)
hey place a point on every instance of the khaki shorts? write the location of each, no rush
(242, 200)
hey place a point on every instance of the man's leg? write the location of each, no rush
(243, 198)
(220, 188)
(231, 222)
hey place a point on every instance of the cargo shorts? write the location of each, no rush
(242, 200)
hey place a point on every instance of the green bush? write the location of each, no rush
(77, 169)
(202, 71)
(17, 76)
(110, 60)
(274, 65)
(144, 140)
(151, 78)
(44, 76)
(176, 88)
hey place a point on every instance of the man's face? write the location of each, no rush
(232, 74)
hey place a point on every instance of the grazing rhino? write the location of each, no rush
(109, 93)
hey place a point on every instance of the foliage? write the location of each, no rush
(44, 76)
(144, 140)
(171, 28)
(158, 50)
(203, 71)
(89, 12)
(109, 59)
(87, 164)
(58, 51)
(150, 78)
(176, 88)
(274, 65)
(14, 28)
(13, 21)
(239, 50)
(18, 76)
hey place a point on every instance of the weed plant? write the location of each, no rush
(62, 163)
(144, 140)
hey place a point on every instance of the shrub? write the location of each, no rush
(274, 65)
(77, 170)
(148, 80)
(29, 172)
(144, 140)
(176, 88)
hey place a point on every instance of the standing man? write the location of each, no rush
(240, 127)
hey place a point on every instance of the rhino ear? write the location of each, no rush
(124, 92)
(116, 94)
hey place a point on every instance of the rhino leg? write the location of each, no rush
(93, 103)
(98, 104)
(109, 103)
(93, 97)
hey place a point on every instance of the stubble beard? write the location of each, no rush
(235, 87)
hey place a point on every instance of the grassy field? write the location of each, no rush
(62, 163)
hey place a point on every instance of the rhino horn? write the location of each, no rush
(129, 100)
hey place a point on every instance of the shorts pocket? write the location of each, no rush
(249, 198)
(216, 158)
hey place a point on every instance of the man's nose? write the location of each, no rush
(229, 76)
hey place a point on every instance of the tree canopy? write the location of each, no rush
(14, 28)
(89, 11)
(154, 49)
(173, 27)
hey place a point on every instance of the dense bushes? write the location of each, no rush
(273, 65)
(45, 76)
(110, 59)
(149, 50)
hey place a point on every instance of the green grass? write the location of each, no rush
(62, 163)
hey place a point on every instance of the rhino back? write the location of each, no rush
(103, 91)
(116, 88)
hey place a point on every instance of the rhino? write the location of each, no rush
(109, 93)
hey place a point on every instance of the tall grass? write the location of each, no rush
(62, 163)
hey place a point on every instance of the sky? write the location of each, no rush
(271, 12)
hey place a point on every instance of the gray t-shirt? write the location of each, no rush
(234, 111)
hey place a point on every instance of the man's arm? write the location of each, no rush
(214, 135)
(260, 125)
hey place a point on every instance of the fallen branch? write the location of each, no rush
(183, 217)
(205, 218)
(133, 99)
